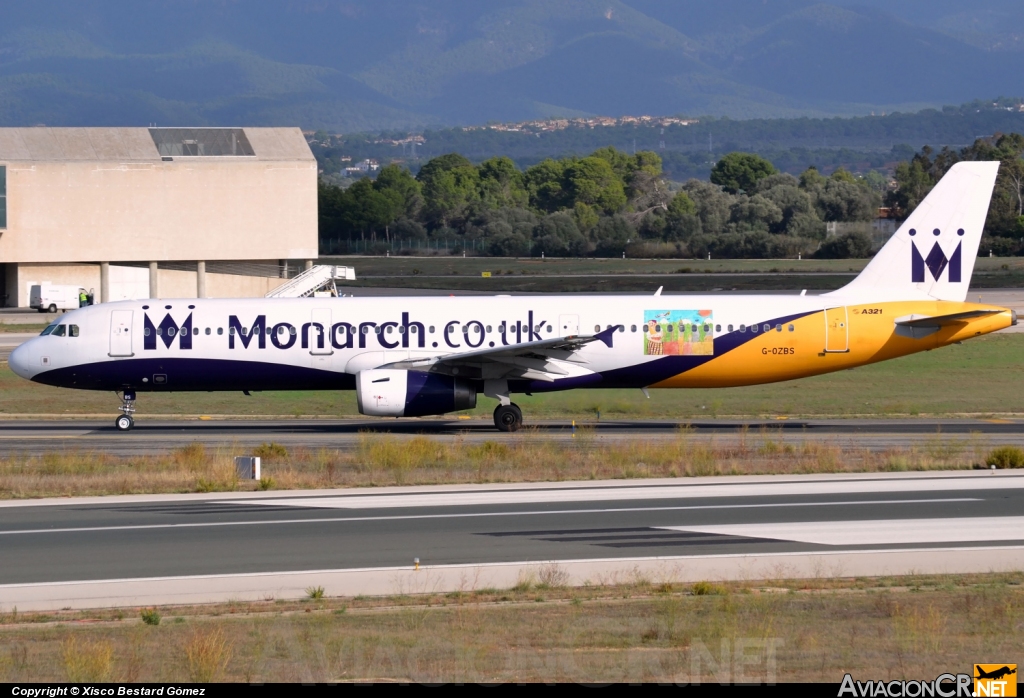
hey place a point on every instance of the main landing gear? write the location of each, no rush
(125, 422)
(508, 417)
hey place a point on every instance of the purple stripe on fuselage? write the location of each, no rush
(194, 374)
(651, 372)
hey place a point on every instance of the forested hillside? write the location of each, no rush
(611, 203)
(858, 143)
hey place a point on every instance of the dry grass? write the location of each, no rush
(893, 628)
(384, 459)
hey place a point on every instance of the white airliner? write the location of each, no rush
(427, 356)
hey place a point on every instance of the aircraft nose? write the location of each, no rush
(20, 360)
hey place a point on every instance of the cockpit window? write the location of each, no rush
(49, 329)
(59, 330)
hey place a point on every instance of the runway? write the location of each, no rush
(189, 548)
(155, 436)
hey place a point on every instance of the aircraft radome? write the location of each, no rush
(427, 356)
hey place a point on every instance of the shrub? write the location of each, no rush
(707, 589)
(270, 451)
(150, 616)
(89, 662)
(206, 655)
(1006, 457)
(315, 593)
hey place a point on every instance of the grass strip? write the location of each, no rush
(630, 629)
(385, 459)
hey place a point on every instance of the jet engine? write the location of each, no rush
(388, 392)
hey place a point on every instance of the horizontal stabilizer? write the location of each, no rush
(943, 320)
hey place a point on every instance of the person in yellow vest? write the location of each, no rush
(83, 298)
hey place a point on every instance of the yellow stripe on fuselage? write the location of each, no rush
(774, 356)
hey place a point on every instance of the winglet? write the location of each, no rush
(606, 335)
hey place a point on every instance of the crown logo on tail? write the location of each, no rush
(936, 262)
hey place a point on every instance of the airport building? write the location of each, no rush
(155, 212)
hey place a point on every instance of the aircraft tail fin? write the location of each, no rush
(933, 252)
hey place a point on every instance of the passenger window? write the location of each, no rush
(657, 328)
(743, 328)
(753, 328)
(597, 328)
(767, 328)
(73, 330)
(718, 328)
(431, 329)
(632, 328)
(59, 330)
(791, 328)
(291, 331)
(390, 329)
(220, 330)
(207, 330)
(160, 331)
(231, 331)
(377, 330)
(730, 328)
(488, 330)
(778, 328)
(548, 329)
(146, 332)
(706, 329)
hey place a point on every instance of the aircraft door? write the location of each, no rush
(568, 325)
(320, 338)
(121, 333)
(837, 330)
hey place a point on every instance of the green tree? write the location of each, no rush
(398, 179)
(502, 185)
(592, 181)
(737, 172)
(450, 184)
(545, 184)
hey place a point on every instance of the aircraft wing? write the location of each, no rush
(527, 360)
(943, 320)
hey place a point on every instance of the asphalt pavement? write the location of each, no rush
(156, 436)
(50, 548)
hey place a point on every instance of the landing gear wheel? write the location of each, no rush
(508, 417)
(124, 422)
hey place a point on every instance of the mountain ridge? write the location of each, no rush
(354, 65)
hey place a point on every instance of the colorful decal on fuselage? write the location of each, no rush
(679, 333)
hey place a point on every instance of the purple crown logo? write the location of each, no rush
(936, 261)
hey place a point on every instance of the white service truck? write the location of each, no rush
(49, 298)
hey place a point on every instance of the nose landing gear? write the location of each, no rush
(125, 422)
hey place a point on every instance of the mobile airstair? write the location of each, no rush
(315, 281)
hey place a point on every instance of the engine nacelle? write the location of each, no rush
(389, 392)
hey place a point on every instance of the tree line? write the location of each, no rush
(608, 203)
(1004, 227)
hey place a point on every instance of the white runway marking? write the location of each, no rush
(274, 522)
(879, 532)
(605, 494)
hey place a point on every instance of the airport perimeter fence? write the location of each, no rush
(341, 246)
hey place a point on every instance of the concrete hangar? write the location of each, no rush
(155, 212)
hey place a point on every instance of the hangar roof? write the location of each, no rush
(42, 144)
